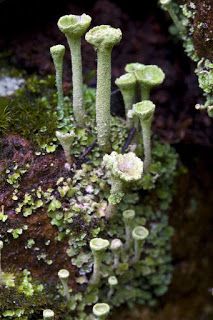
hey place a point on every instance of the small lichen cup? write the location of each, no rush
(139, 234)
(116, 247)
(74, 26)
(63, 275)
(113, 282)
(66, 140)
(122, 169)
(128, 217)
(103, 38)
(57, 53)
(135, 66)
(48, 314)
(149, 77)
(127, 85)
(144, 111)
(98, 247)
(101, 310)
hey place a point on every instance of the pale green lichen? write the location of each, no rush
(101, 310)
(48, 314)
(98, 247)
(63, 275)
(127, 86)
(74, 27)
(57, 53)
(103, 38)
(139, 234)
(144, 111)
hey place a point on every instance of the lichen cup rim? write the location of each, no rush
(57, 49)
(126, 81)
(134, 66)
(151, 75)
(103, 36)
(101, 309)
(140, 233)
(99, 244)
(144, 109)
(129, 214)
(74, 24)
(63, 274)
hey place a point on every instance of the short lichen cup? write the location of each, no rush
(149, 77)
(139, 234)
(63, 275)
(103, 38)
(128, 218)
(127, 85)
(144, 111)
(48, 314)
(57, 53)
(74, 26)
(98, 247)
(122, 169)
(66, 140)
(101, 310)
(116, 247)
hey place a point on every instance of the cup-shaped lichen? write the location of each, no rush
(139, 234)
(122, 170)
(74, 27)
(63, 275)
(113, 282)
(66, 140)
(57, 53)
(103, 38)
(127, 85)
(101, 310)
(48, 314)
(149, 77)
(144, 111)
(116, 246)
(98, 247)
(128, 217)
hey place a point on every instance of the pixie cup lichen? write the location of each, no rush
(48, 314)
(74, 26)
(98, 247)
(66, 140)
(113, 282)
(144, 111)
(139, 234)
(63, 275)
(116, 246)
(122, 169)
(101, 310)
(57, 53)
(103, 38)
(128, 217)
(149, 77)
(127, 85)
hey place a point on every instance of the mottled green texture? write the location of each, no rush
(74, 27)
(66, 140)
(57, 53)
(103, 38)
(127, 86)
(149, 77)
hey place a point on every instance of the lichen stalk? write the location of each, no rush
(57, 53)
(103, 99)
(1, 247)
(146, 132)
(63, 275)
(77, 79)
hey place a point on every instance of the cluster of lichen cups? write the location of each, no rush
(122, 170)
